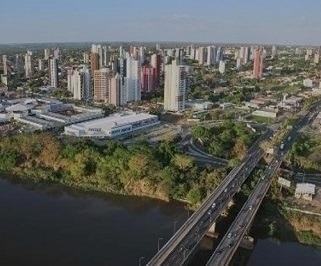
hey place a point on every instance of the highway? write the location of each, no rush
(186, 239)
(241, 225)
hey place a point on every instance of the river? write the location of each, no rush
(49, 227)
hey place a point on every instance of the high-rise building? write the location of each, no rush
(97, 49)
(258, 63)
(86, 58)
(274, 52)
(28, 64)
(94, 62)
(211, 53)
(141, 55)
(5, 65)
(219, 54)
(46, 53)
(132, 80)
(79, 84)
(115, 90)
(40, 64)
(102, 80)
(201, 55)
(221, 67)
(316, 59)
(148, 75)
(56, 53)
(106, 56)
(156, 63)
(53, 71)
(175, 87)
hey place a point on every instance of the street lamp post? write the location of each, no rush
(140, 261)
(174, 227)
(158, 242)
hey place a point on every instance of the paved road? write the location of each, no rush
(232, 239)
(182, 244)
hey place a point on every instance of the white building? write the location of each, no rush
(79, 84)
(53, 68)
(28, 64)
(46, 53)
(113, 126)
(132, 86)
(175, 87)
(221, 67)
(201, 55)
(5, 65)
(308, 83)
(211, 53)
(305, 191)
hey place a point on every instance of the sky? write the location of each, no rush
(232, 21)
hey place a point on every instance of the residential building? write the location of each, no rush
(53, 72)
(258, 63)
(102, 79)
(175, 87)
(132, 81)
(28, 64)
(79, 84)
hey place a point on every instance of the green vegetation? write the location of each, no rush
(229, 140)
(161, 172)
(306, 153)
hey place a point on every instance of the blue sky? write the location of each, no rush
(259, 21)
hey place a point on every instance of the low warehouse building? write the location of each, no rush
(112, 126)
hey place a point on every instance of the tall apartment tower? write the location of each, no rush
(175, 87)
(102, 79)
(28, 64)
(211, 54)
(79, 84)
(201, 55)
(132, 80)
(40, 64)
(115, 90)
(148, 75)
(46, 53)
(156, 63)
(94, 62)
(53, 72)
(5, 65)
(258, 57)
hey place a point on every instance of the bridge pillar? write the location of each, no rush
(211, 232)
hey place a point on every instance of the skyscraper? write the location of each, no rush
(102, 79)
(53, 72)
(148, 75)
(211, 53)
(79, 84)
(5, 65)
(258, 63)
(115, 90)
(156, 63)
(132, 80)
(175, 87)
(28, 64)
(201, 55)
(46, 53)
(94, 62)
(40, 64)
(56, 53)
(221, 67)
(274, 51)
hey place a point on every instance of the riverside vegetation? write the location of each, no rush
(161, 172)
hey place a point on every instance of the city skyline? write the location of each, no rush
(289, 22)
